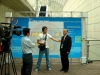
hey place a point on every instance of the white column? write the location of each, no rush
(38, 11)
(47, 10)
(84, 37)
(8, 16)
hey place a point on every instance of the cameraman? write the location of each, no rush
(27, 46)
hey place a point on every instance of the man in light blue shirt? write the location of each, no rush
(27, 46)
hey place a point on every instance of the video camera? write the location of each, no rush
(6, 32)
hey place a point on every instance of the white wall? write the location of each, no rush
(93, 30)
(4, 9)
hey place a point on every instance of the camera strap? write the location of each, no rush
(45, 38)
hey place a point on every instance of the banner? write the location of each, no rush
(55, 28)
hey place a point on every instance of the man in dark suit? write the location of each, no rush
(65, 47)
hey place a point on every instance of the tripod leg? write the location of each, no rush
(1, 65)
(2, 61)
(8, 65)
(13, 64)
(5, 61)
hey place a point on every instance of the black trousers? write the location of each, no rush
(27, 64)
(64, 61)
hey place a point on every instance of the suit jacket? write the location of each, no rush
(67, 43)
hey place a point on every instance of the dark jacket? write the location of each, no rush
(67, 43)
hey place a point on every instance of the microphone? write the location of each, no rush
(17, 27)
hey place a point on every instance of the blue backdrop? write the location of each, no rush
(72, 24)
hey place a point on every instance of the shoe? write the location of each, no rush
(49, 69)
(65, 71)
(61, 70)
(36, 70)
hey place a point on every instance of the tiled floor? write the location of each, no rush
(75, 69)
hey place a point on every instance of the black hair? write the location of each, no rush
(43, 28)
(25, 31)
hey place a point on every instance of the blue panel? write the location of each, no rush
(74, 30)
(15, 41)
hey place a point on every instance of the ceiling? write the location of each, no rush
(26, 6)
(18, 5)
(53, 5)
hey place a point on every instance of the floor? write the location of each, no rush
(75, 69)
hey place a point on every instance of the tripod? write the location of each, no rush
(3, 61)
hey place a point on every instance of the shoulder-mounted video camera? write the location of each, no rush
(6, 32)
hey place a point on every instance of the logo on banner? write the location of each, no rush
(14, 21)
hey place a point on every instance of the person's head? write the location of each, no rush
(65, 32)
(44, 29)
(26, 32)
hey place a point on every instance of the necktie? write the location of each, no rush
(64, 38)
(63, 41)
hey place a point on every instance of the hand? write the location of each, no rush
(59, 41)
(0, 44)
(42, 43)
(67, 53)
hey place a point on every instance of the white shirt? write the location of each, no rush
(27, 45)
(41, 37)
(65, 36)
(63, 40)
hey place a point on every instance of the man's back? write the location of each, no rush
(27, 45)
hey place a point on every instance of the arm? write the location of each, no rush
(39, 42)
(69, 44)
(55, 39)
(30, 44)
(49, 36)
(38, 39)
